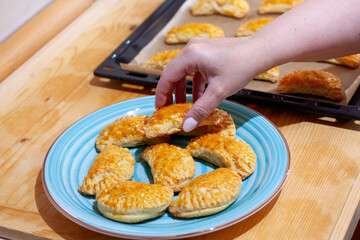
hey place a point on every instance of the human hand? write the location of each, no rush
(225, 64)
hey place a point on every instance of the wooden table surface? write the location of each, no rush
(56, 87)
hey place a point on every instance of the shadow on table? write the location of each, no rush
(61, 225)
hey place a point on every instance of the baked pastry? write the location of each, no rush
(111, 166)
(232, 8)
(171, 166)
(207, 194)
(160, 59)
(169, 120)
(224, 151)
(183, 33)
(351, 61)
(133, 202)
(314, 82)
(250, 27)
(226, 126)
(277, 6)
(271, 75)
(128, 131)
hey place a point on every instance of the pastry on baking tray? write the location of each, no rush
(314, 82)
(133, 201)
(351, 61)
(183, 33)
(224, 151)
(232, 8)
(207, 194)
(169, 120)
(271, 75)
(160, 59)
(128, 131)
(277, 6)
(250, 27)
(111, 166)
(171, 165)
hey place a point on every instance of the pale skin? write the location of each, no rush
(312, 31)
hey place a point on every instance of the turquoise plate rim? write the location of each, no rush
(194, 228)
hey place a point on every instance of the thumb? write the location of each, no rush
(203, 107)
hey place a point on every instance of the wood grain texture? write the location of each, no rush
(22, 44)
(319, 199)
(16, 81)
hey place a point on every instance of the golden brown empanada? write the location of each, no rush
(111, 166)
(277, 6)
(183, 33)
(314, 82)
(232, 8)
(128, 131)
(207, 194)
(226, 126)
(224, 151)
(250, 27)
(133, 202)
(271, 75)
(351, 61)
(171, 166)
(169, 120)
(160, 59)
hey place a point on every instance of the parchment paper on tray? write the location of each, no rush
(350, 77)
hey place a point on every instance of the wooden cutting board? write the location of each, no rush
(56, 88)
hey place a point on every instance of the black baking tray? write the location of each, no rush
(128, 49)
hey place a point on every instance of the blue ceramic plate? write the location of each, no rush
(71, 156)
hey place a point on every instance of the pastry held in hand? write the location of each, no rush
(185, 32)
(161, 59)
(232, 8)
(133, 202)
(169, 120)
(224, 151)
(171, 166)
(277, 6)
(111, 166)
(128, 131)
(250, 27)
(207, 194)
(351, 61)
(313, 82)
(225, 126)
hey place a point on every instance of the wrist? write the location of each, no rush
(256, 54)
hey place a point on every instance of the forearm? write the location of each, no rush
(314, 30)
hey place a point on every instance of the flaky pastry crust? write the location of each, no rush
(224, 151)
(183, 33)
(314, 82)
(277, 6)
(169, 120)
(128, 131)
(250, 27)
(232, 8)
(111, 166)
(171, 166)
(133, 202)
(207, 194)
(271, 75)
(161, 59)
(351, 61)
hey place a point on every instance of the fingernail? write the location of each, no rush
(189, 124)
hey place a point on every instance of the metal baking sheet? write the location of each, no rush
(125, 62)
